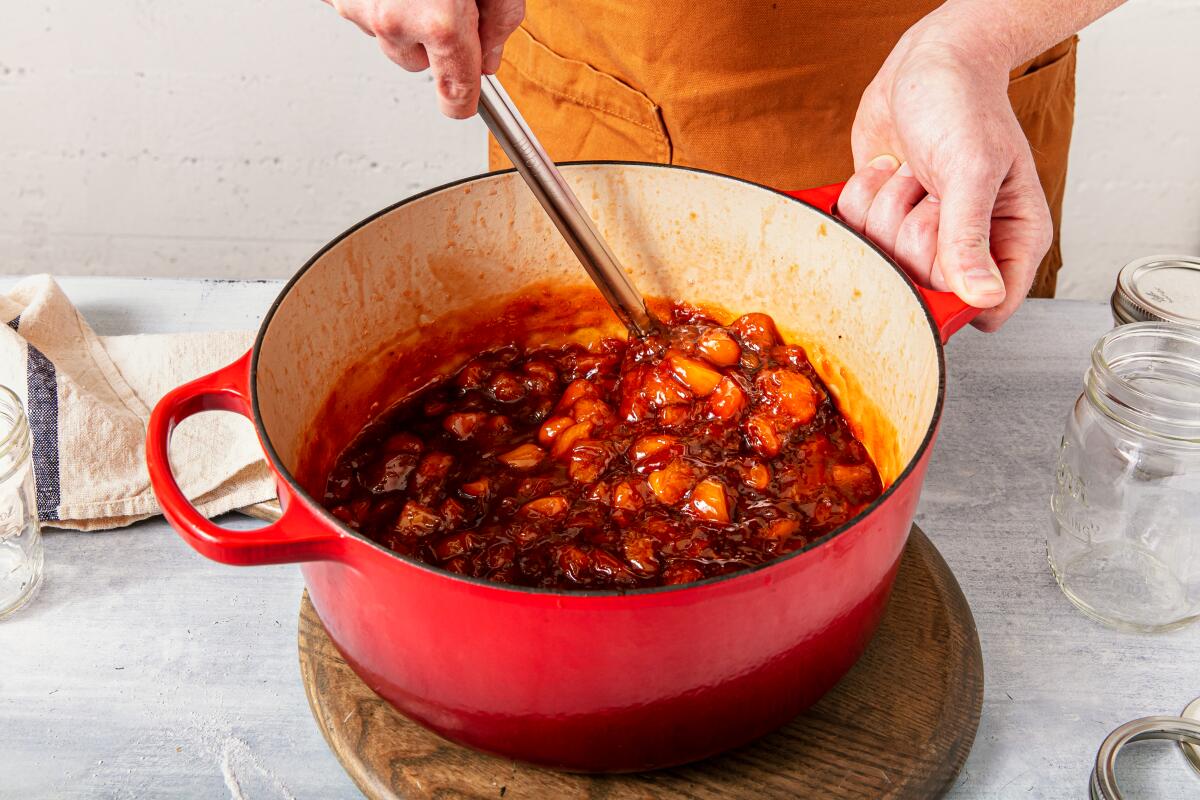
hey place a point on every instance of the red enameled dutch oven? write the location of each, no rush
(596, 681)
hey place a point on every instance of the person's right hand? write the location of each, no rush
(457, 39)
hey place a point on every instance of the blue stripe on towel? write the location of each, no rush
(42, 412)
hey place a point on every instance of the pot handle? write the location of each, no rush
(949, 312)
(299, 535)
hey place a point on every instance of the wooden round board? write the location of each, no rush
(899, 725)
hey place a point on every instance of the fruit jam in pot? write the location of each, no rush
(599, 463)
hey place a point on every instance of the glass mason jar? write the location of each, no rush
(1125, 546)
(20, 538)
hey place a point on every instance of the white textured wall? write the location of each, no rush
(1134, 181)
(234, 137)
(203, 137)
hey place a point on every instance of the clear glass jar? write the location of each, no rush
(1125, 546)
(20, 539)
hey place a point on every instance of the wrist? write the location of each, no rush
(971, 31)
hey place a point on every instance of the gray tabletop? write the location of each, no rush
(144, 670)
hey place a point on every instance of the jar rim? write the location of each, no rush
(1132, 404)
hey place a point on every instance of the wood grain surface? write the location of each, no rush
(900, 725)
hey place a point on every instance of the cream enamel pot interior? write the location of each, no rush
(585, 680)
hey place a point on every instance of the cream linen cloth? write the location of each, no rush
(88, 400)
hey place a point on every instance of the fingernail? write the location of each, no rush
(886, 162)
(491, 61)
(983, 280)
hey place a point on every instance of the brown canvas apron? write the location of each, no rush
(761, 90)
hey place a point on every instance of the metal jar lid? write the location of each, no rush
(1184, 729)
(1158, 289)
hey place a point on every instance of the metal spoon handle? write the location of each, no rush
(552, 191)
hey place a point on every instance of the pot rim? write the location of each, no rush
(316, 507)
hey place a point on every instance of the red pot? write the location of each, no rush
(593, 681)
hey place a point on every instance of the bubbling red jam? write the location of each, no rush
(699, 451)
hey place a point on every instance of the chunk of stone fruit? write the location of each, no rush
(680, 572)
(576, 390)
(525, 456)
(572, 562)
(600, 492)
(458, 565)
(719, 348)
(417, 519)
(756, 474)
(567, 439)
(609, 566)
(787, 395)
(551, 428)
(727, 401)
(781, 529)
(402, 443)
(456, 544)
(762, 436)
(547, 507)
(791, 353)
(498, 425)
(671, 483)
(589, 409)
(675, 416)
(708, 501)
(543, 370)
(462, 424)
(392, 475)
(856, 481)
(588, 459)
(634, 405)
(506, 387)
(756, 330)
(660, 388)
(699, 378)
(474, 374)
(479, 489)
(430, 474)
(653, 446)
(626, 497)
(639, 552)
(537, 486)
(500, 555)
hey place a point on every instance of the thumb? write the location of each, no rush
(963, 249)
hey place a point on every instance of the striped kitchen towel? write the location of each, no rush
(88, 400)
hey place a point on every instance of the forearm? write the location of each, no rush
(1011, 31)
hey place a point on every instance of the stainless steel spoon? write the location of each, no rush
(523, 149)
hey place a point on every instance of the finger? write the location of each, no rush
(456, 63)
(916, 241)
(964, 238)
(411, 56)
(892, 204)
(937, 279)
(497, 20)
(862, 187)
(1021, 234)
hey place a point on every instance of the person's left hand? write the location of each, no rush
(944, 179)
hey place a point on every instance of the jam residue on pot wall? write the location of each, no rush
(570, 458)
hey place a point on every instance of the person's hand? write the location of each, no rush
(944, 179)
(457, 39)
